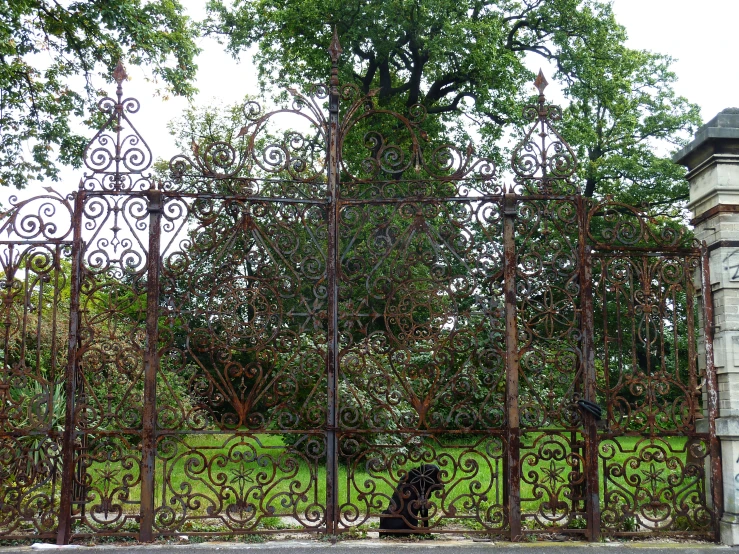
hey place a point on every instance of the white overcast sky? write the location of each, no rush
(701, 35)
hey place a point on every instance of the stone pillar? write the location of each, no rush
(712, 160)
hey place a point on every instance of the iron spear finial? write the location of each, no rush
(119, 73)
(541, 82)
(335, 49)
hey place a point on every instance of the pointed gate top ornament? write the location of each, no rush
(544, 163)
(119, 73)
(117, 155)
(541, 82)
(334, 50)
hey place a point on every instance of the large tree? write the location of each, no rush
(468, 57)
(437, 53)
(623, 119)
(51, 56)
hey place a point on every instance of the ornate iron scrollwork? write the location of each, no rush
(117, 155)
(335, 318)
(543, 161)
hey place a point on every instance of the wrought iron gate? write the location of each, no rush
(342, 325)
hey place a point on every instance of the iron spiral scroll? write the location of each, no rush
(334, 322)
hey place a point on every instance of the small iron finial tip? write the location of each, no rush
(541, 82)
(119, 73)
(335, 49)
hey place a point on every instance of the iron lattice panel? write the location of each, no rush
(341, 324)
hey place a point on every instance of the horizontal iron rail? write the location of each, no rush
(51, 242)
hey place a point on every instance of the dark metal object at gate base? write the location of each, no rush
(408, 509)
(288, 324)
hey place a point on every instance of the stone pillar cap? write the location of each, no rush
(718, 136)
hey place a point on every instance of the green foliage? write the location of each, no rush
(370, 231)
(623, 118)
(113, 317)
(50, 53)
(37, 351)
(454, 57)
(434, 52)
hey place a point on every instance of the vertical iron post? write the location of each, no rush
(332, 265)
(64, 531)
(151, 367)
(712, 393)
(592, 486)
(513, 466)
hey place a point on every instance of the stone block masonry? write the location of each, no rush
(712, 160)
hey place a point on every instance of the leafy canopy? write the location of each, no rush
(50, 52)
(623, 118)
(467, 57)
(436, 52)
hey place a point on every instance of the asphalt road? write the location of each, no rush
(377, 547)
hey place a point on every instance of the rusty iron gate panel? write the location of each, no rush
(336, 325)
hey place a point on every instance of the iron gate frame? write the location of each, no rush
(122, 174)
